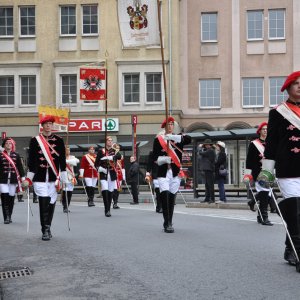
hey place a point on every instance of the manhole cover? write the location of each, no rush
(15, 273)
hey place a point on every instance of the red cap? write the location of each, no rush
(261, 126)
(47, 119)
(163, 124)
(289, 80)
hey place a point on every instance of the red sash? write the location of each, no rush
(9, 159)
(170, 152)
(73, 180)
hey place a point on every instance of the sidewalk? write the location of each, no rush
(191, 202)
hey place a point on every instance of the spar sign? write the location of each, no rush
(92, 125)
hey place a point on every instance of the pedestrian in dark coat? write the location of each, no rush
(133, 179)
(221, 164)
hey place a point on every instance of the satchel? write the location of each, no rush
(223, 171)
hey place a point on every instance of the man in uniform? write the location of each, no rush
(167, 153)
(11, 174)
(282, 152)
(106, 165)
(71, 162)
(89, 173)
(253, 164)
(152, 173)
(46, 168)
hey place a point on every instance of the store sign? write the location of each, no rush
(92, 125)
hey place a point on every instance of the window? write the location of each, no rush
(68, 89)
(7, 90)
(276, 96)
(209, 27)
(210, 96)
(28, 90)
(6, 21)
(131, 88)
(255, 25)
(253, 92)
(276, 23)
(153, 87)
(27, 20)
(89, 19)
(67, 20)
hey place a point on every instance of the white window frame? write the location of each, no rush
(142, 68)
(98, 24)
(80, 105)
(18, 72)
(209, 41)
(220, 88)
(20, 32)
(12, 35)
(131, 103)
(20, 82)
(284, 94)
(161, 84)
(263, 88)
(262, 19)
(284, 25)
(60, 24)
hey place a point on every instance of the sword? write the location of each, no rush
(182, 197)
(128, 188)
(82, 180)
(256, 202)
(66, 199)
(152, 194)
(28, 206)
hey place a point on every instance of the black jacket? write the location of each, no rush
(208, 157)
(152, 167)
(133, 173)
(6, 168)
(37, 162)
(283, 145)
(221, 161)
(253, 160)
(110, 165)
(159, 151)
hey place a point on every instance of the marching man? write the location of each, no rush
(46, 169)
(11, 174)
(105, 163)
(89, 173)
(282, 153)
(253, 164)
(168, 156)
(71, 162)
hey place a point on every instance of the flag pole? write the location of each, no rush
(162, 59)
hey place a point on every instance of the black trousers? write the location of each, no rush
(135, 192)
(209, 186)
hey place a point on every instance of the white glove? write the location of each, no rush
(124, 174)
(1, 149)
(173, 137)
(268, 164)
(163, 160)
(73, 161)
(107, 157)
(81, 171)
(30, 175)
(102, 170)
(64, 177)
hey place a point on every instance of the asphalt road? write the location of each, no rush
(213, 254)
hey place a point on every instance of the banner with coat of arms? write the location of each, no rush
(138, 22)
(92, 83)
(61, 116)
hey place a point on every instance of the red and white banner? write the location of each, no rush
(92, 84)
(91, 125)
(138, 22)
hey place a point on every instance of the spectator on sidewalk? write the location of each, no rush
(221, 169)
(133, 179)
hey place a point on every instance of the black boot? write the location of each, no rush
(92, 194)
(64, 202)
(290, 210)
(166, 198)
(44, 203)
(115, 196)
(273, 208)
(51, 213)
(158, 201)
(171, 204)
(5, 207)
(34, 199)
(69, 196)
(251, 204)
(20, 198)
(11, 204)
(263, 198)
(105, 195)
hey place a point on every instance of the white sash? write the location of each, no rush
(288, 114)
(259, 146)
(92, 164)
